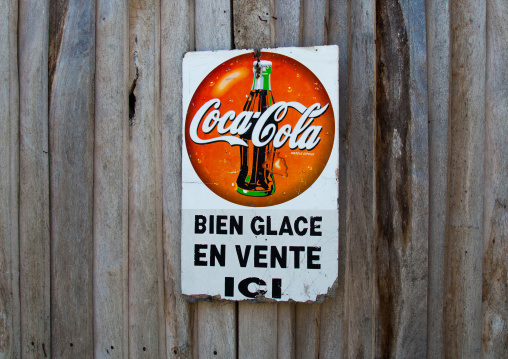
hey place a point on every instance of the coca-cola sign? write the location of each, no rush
(287, 120)
(259, 173)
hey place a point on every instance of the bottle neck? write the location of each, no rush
(262, 71)
(261, 82)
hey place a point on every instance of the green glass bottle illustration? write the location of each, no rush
(256, 163)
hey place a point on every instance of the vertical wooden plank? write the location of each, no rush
(216, 330)
(286, 328)
(401, 189)
(360, 184)
(175, 41)
(251, 24)
(9, 183)
(34, 234)
(71, 119)
(307, 330)
(332, 328)
(495, 245)
(287, 28)
(315, 22)
(438, 67)
(257, 330)
(464, 239)
(110, 180)
(146, 321)
(213, 25)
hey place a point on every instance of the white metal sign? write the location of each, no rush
(260, 174)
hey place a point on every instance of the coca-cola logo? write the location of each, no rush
(264, 146)
(303, 136)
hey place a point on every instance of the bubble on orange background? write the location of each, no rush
(218, 164)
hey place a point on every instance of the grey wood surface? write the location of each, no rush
(146, 298)
(286, 328)
(176, 39)
(34, 211)
(257, 330)
(287, 27)
(71, 119)
(464, 238)
(495, 234)
(307, 330)
(438, 68)
(401, 181)
(110, 219)
(314, 22)
(9, 183)
(212, 25)
(252, 24)
(332, 325)
(359, 282)
(217, 324)
(90, 185)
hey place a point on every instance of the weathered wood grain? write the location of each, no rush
(286, 328)
(313, 25)
(9, 183)
(287, 29)
(495, 237)
(217, 330)
(146, 278)
(110, 180)
(257, 330)
(462, 327)
(401, 172)
(213, 25)
(332, 325)
(314, 22)
(307, 330)
(71, 119)
(34, 236)
(360, 184)
(438, 67)
(175, 41)
(251, 24)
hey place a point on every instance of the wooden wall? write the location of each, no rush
(90, 189)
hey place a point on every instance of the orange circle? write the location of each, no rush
(218, 163)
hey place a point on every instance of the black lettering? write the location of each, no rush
(276, 256)
(297, 251)
(300, 232)
(198, 255)
(243, 287)
(286, 227)
(260, 229)
(276, 288)
(220, 256)
(242, 259)
(211, 224)
(229, 287)
(314, 226)
(258, 256)
(221, 225)
(234, 225)
(269, 230)
(199, 224)
(313, 257)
